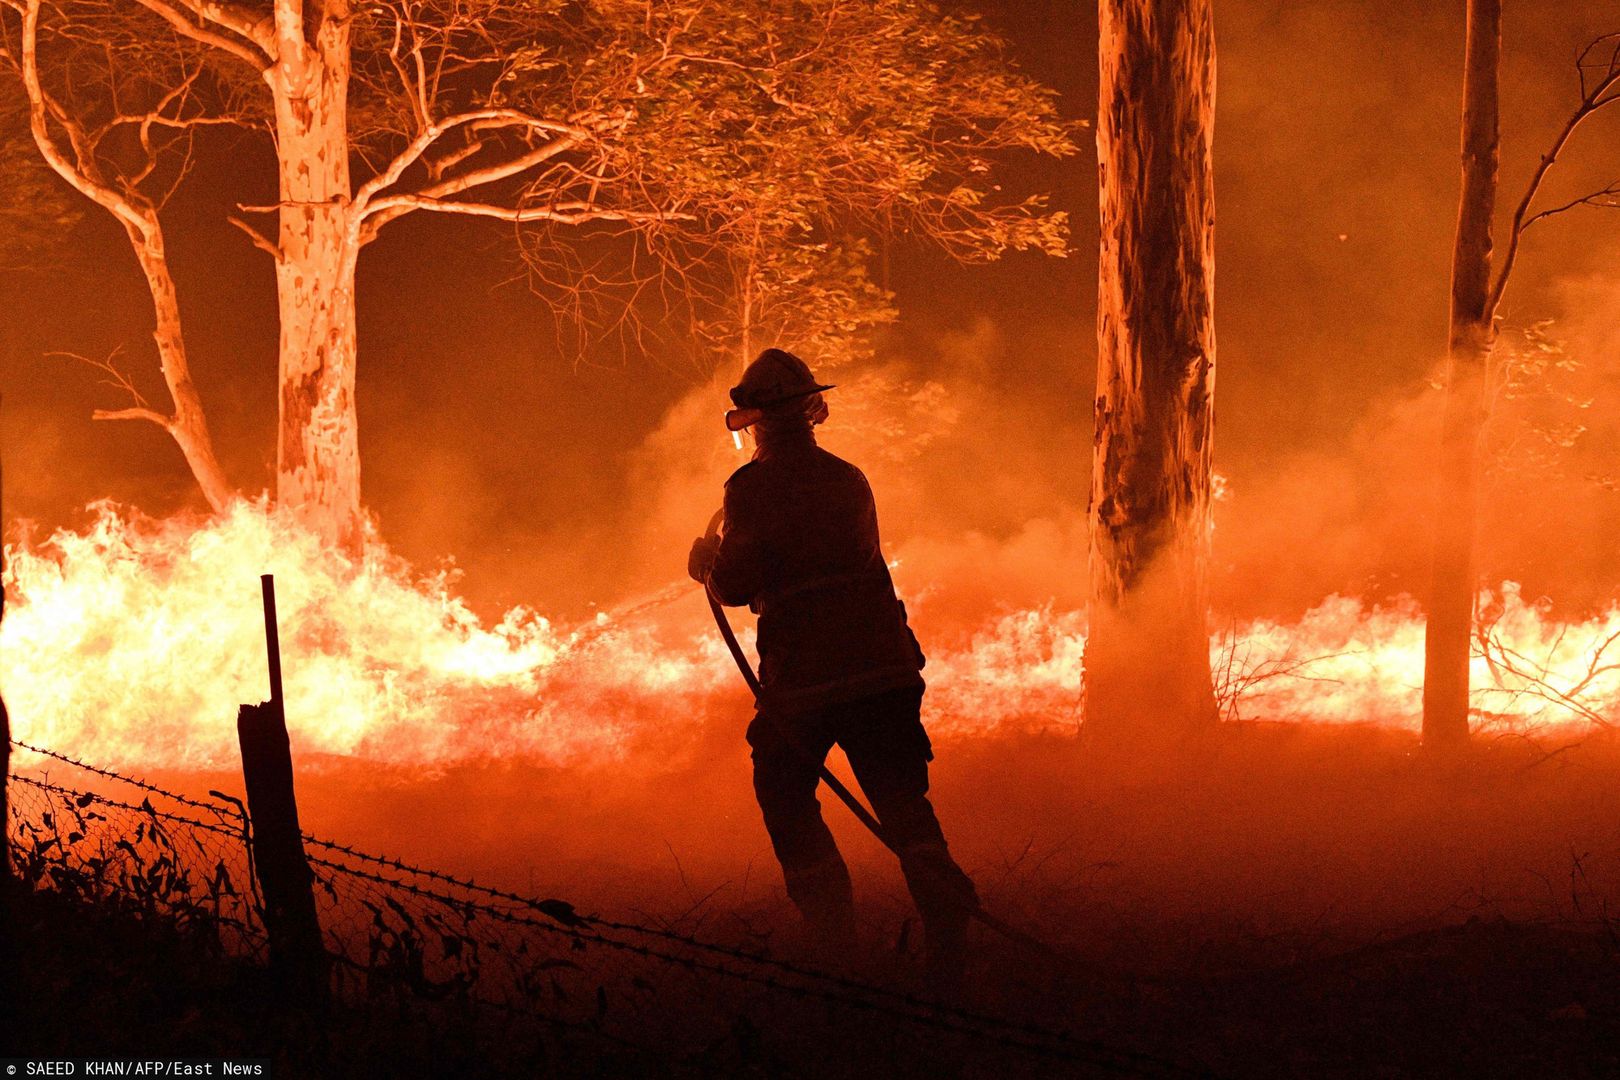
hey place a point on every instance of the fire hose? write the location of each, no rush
(836, 786)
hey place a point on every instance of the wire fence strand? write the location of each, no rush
(399, 931)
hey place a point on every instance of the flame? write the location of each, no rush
(133, 640)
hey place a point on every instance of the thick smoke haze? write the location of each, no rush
(571, 486)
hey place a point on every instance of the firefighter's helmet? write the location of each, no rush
(775, 378)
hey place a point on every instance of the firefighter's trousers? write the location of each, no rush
(883, 738)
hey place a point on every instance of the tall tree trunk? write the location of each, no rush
(188, 426)
(1448, 635)
(318, 449)
(1147, 656)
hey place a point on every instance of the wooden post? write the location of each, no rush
(296, 952)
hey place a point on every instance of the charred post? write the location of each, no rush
(284, 876)
(1147, 656)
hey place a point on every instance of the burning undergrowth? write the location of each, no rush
(132, 640)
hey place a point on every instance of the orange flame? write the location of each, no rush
(133, 640)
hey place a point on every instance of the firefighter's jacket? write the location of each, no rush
(800, 549)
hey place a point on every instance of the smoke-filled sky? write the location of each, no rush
(565, 486)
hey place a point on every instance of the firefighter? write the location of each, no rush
(837, 661)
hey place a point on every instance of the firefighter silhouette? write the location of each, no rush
(838, 663)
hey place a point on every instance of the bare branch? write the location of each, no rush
(1584, 60)
(418, 106)
(133, 414)
(116, 377)
(238, 19)
(1536, 677)
(260, 241)
(271, 208)
(437, 167)
(177, 94)
(177, 123)
(1595, 96)
(567, 213)
(569, 135)
(489, 174)
(257, 60)
(1607, 199)
(80, 173)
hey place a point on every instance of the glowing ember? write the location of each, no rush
(134, 640)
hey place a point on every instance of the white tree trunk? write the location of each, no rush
(1147, 655)
(78, 167)
(318, 450)
(187, 425)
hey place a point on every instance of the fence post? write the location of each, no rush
(296, 952)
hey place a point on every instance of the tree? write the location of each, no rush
(1147, 653)
(815, 297)
(1475, 298)
(645, 117)
(127, 160)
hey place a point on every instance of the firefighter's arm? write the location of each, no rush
(734, 575)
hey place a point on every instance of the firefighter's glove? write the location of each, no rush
(701, 560)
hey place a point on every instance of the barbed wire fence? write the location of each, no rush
(146, 858)
(422, 938)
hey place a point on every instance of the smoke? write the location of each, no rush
(963, 470)
(1354, 516)
(1552, 477)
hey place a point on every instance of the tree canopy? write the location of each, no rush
(755, 149)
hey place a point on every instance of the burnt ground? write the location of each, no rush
(1303, 903)
(1487, 998)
